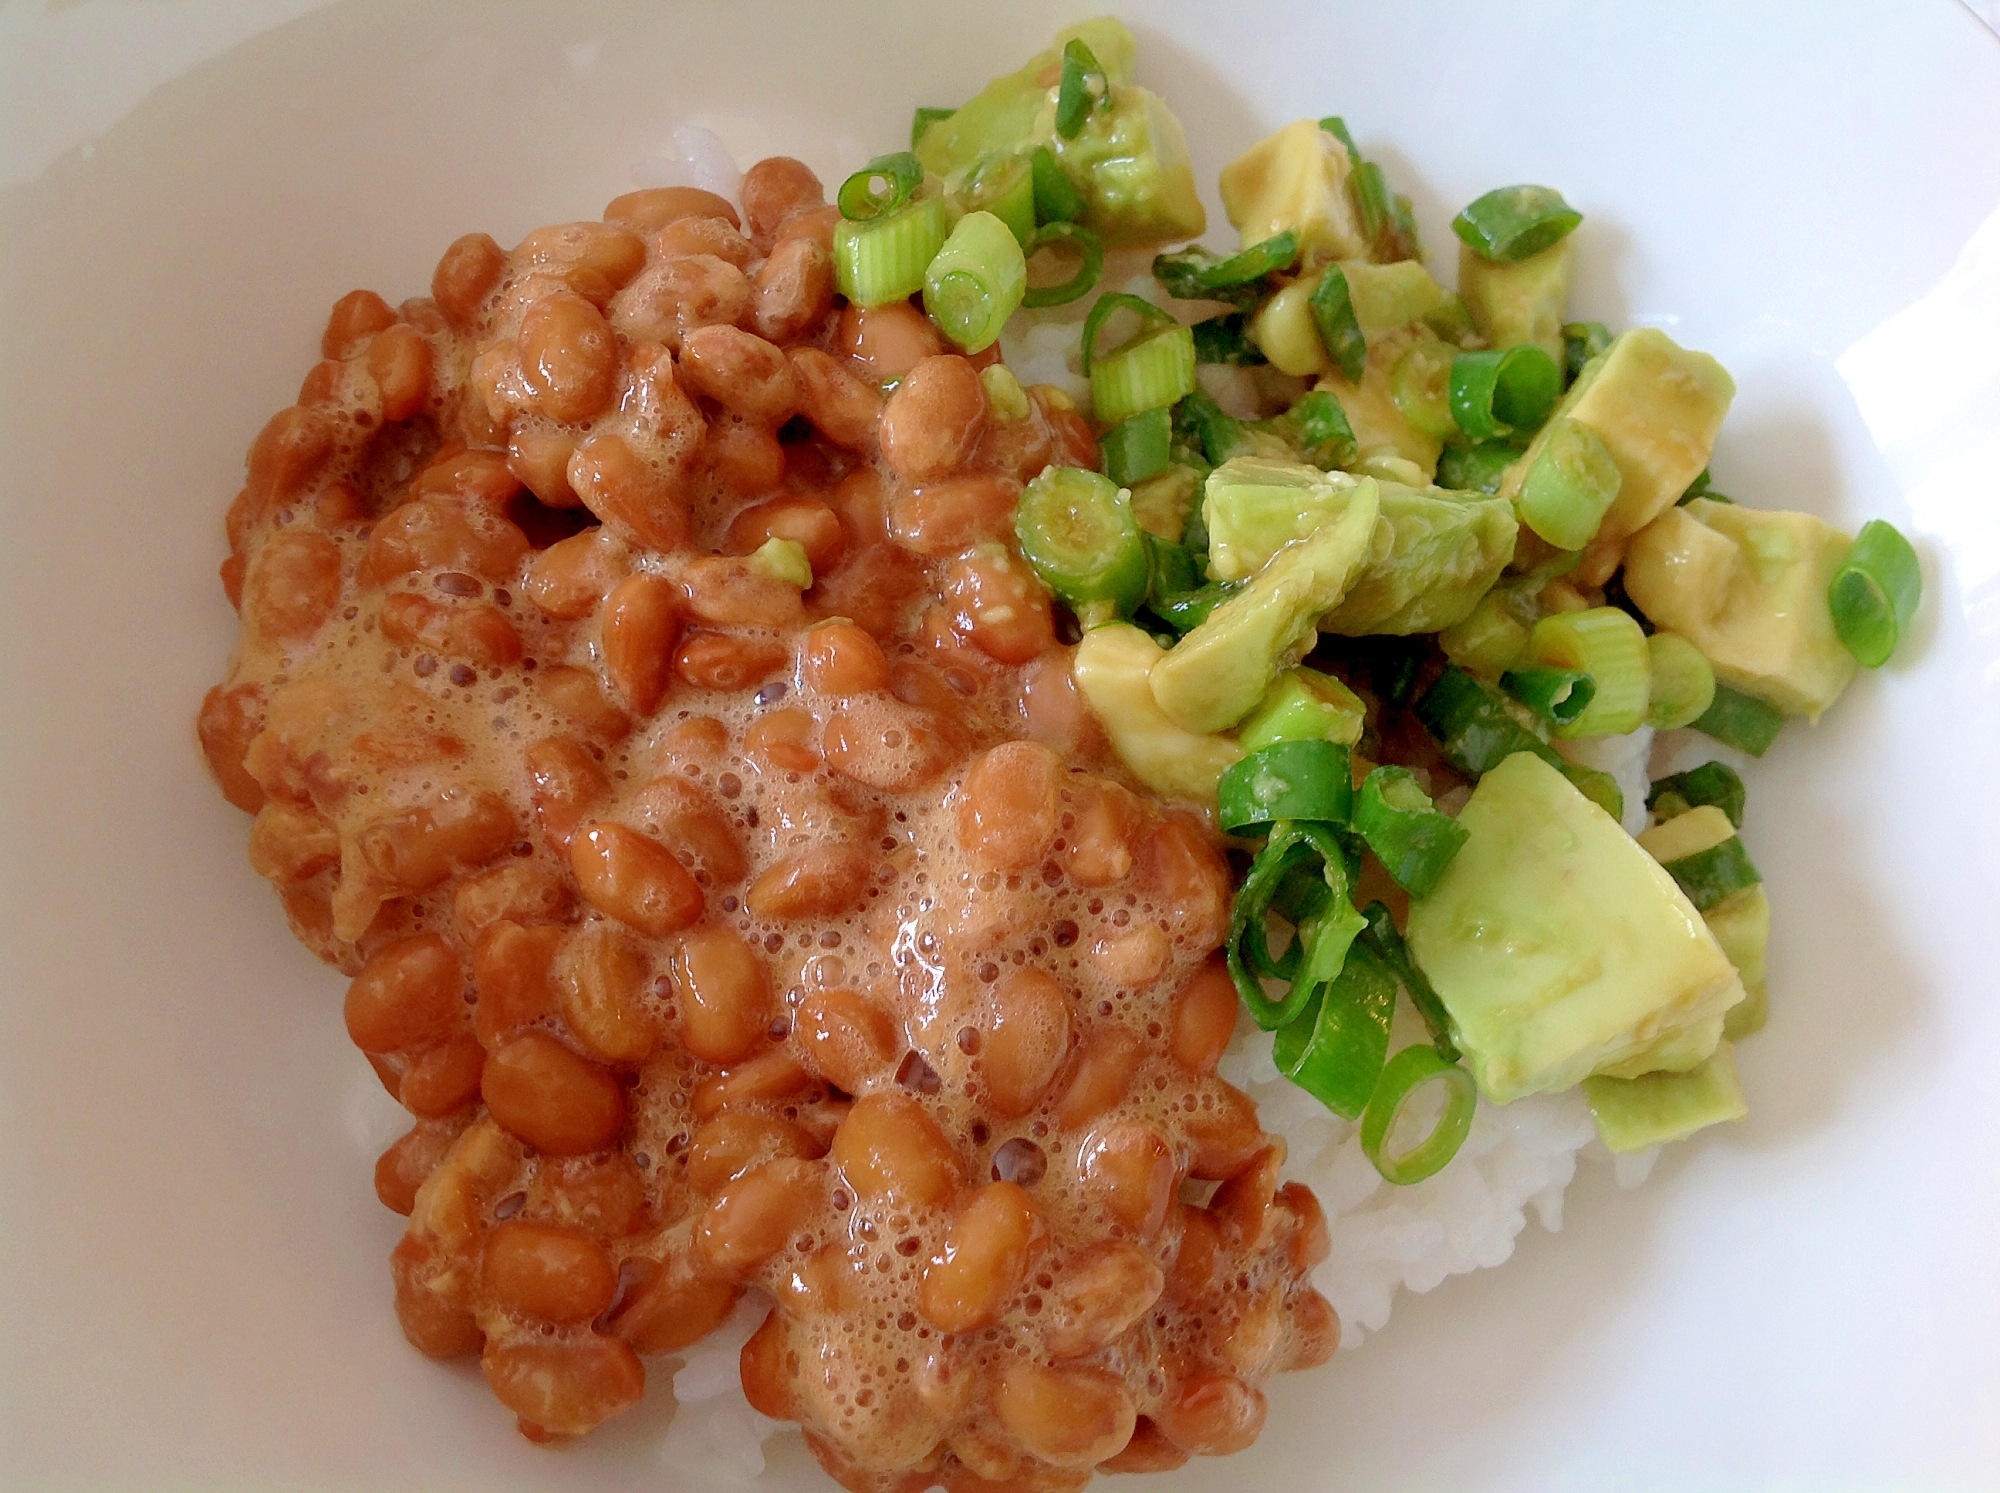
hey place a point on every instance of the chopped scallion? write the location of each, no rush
(1224, 339)
(1336, 126)
(1316, 427)
(1056, 198)
(1184, 611)
(1420, 384)
(1608, 645)
(1000, 185)
(1683, 682)
(925, 118)
(1197, 275)
(1333, 312)
(1138, 448)
(1286, 780)
(1558, 696)
(1737, 720)
(1475, 733)
(1090, 249)
(1412, 840)
(1387, 944)
(1582, 341)
(1510, 223)
(1155, 371)
(1083, 87)
(884, 259)
(1497, 392)
(1875, 593)
(1570, 486)
(1476, 468)
(1336, 1048)
(1078, 531)
(880, 187)
(1406, 1073)
(1708, 876)
(975, 281)
(1324, 936)
(1712, 783)
(1205, 424)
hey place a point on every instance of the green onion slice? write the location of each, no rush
(1737, 720)
(1475, 734)
(1476, 468)
(975, 281)
(1384, 941)
(1225, 339)
(1324, 937)
(1175, 571)
(1336, 1048)
(885, 259)
(1558, 696)
(1153, 372)
(1406, 1073)
(1077, 530)
(1001, 185)
(1150, 317)
(1336, 126)
(1712, 783)
(1286, 780)
(1184, 611)
(1721, 871)
(1138, 448)
(1570, 486)
(1510, 223)
(1088, 246)
(1084, 87)
(1205, 424)
(1420, 383)
(1316, 427)
(1056, 198)
(1412, 840)
(1609, 646)
(1497, 392)
(1333, 309)
(1683, 682)
(1582, 341)
(1875, 592)
(880, 187)
(924, 119)
(1195, 274)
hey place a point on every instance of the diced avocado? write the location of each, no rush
(1163, 501)
(1656, 406)
(1256, 505)
(1633, 1114)
(1296, 178)
(1490, 639)
(1741, 923)
(1385, 297)
(1286, 332)
(1001, 117)
(1558, 946)
(1131, 164)
(1520, 302)
(1434, 554)
(1380, 428)
(1111, 668)
(1747, 586)
(1304, 705)
(1218, 672)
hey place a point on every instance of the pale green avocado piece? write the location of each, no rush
(1520, 302)
(1304, 705)
(1296, 180)
(1254, 506)
(1380, 427)
(1387, 296)
(1112, 665)
(1434, 554)
(1633, 1114)
(1218, 672)
(1656, 406)
(1559, 947)
(1747, 586)
(1001, 117)
(1163, 501)
(1741, 923)
(1131, 164)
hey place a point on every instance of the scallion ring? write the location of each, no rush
(1510, 223)
(1875, 593)
(1558, 696)
(1286, 780)
(1197, 275)
(1738, 720)
(880, 187)
(1320, 949)
(1088, 246)
(1083, 87)
(1333, 311)
(1498, 391)
(974, 282)
(1406, 1073)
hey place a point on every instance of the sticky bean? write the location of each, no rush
(1007, 811)
(572, 576)
(1026, 1038)
(556, 1101)
(510, 968)
(774, 189)
(565, 785)
(356, 317)
(541, 1270)
(807, 522)
(887, 340)
(822, 882)
(574, 694)
(734, 1142)
(1211, 1415)
(755, 1217)
(740, 371)
(678, 1304)
(674, 296)
(638, 501)
(967, 1282)
(1204, 1019)
(642, 618)
(408, 994)
(724, 996)
(565, 1388)
(848, 1039)
(1130, 1169)
(600, 977)
(944, 518)
(443, 1079)
(653, 208)
(569, 358)
(592, 259)
(1071, 1416)
(466, 275)
(845, 410)
(230, 720)
(932, 421)
(890, 1146)
(727, 661)
(1100, 1291)
(632, 878)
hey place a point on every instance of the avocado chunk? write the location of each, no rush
(1112, 665)
(1130, 161)
(1435, 553)
(1297, 179)
(1741, 922)
(1380, 427)
(1219, 671)
(1656, 406)
(1559, 947)
(1304, 705)
(1747, 586)
(1517, 303)
(1000, 119)
(1633, 1114)
(1385, 298)
(1256, 505)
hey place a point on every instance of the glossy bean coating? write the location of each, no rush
(511, 967)
(556, 1101)
(642, 619)
(846, 1038)
(756, 1215)
(932, 421)
(724, 995)
(1007, 808)
(557, 1274)
(1099, 1292)
(740, 371)
(653, 208)
(600, 978)
(1069, 1416)
(983, 1261)
(1211, 1415)
(1026, 1039)
(889, 1146)
(635, 879)
(944, 518)
(409, 994)
(774, 189)
(822, 882)
(565, 1388)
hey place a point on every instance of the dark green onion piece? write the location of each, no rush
(1599, 787)
(1077, 530)
(1336, 126)
(1324, 937)
(1476, 734)
(1496, 392)
(1510, 223)
(1412, 840)
(1405, 1073)
(1198, 275)
(1386, 943)
(1337, 1047)
(1207, 425)
(1184, 611)
(880, 187)
(1056, 198)
(1333, 309)
(1695, 489)
(1316, 427)
(1175, 570)
(1708, 876)
(1371, 195)
(1875, 592)
(1558, 696)
(1737, 720)
(1582, 341)
(1712, 783)
(925, 118)
(1286, 780)
(1476, 468)
(1224, 339)
(1150, 317)
(1138, 448)
(1086, 243)
(1076, 96)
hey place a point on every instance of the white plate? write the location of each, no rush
(195, 1291)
